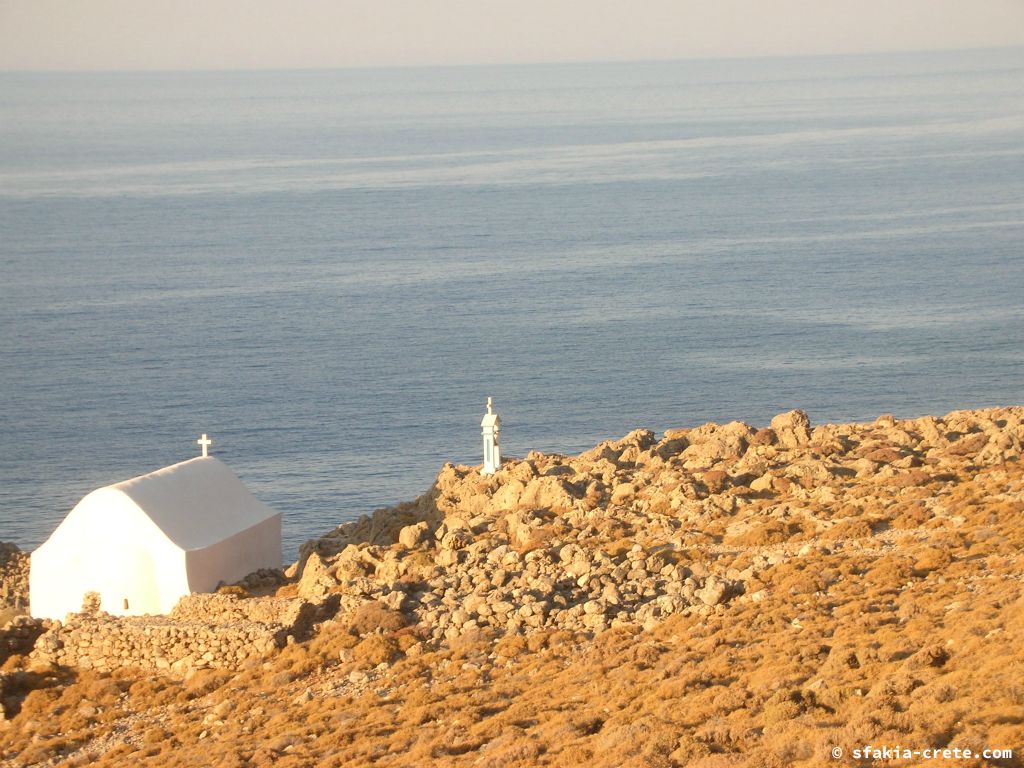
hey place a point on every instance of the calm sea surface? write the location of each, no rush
(329, 271)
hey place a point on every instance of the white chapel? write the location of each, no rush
(143, 543)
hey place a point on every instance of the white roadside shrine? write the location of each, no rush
(490, 428)
(143, 543)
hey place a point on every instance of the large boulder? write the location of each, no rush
(316, 579)
(712, 443)
(412, 536)
(793, 429)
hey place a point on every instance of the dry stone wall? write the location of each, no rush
(106, 643)
(203, 631)
(13, 577)
(18, 636)
(230, 609)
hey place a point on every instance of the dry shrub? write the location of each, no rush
(912, 515)
(374, 616)
(788, 746)
(376, 649)
(931, 559)
(892, 570)
(297, 660)
(538, 641)
(151, 691)
(648, 738)
(331, 641)
(34, 692)
(44, 751)
(538, 538)
(784, 706)
(407, 638)
(102, 690)
(155, 735)
(513, 748)
(797, 578)
(851, 529)
(511, 646)
(763, 533)
(205, 681)
(689, 750)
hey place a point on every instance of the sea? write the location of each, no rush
(330, 271)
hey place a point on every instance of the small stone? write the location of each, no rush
(394, 600)
(446, 558)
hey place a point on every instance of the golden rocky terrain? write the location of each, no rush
(721, 596)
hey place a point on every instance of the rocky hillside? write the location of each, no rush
(721, 596)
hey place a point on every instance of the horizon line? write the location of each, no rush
(506, 64)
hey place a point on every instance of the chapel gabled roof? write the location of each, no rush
(195, 503)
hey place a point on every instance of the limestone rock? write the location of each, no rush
(316, 579)
(793, 429)
(712, 443)
(622, 493)
(412, 536)
(508, 496)
(552, 493)
(713, 592)
(459, 538)
(447, 558)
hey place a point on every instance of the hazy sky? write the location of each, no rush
(191, 34)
